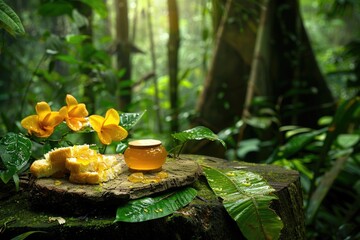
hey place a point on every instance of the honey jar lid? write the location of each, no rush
(145, 143)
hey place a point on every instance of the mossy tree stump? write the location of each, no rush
(204, 218)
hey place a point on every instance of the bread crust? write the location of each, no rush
(83, 165)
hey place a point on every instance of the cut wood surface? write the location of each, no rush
(81, 197)
(204, 218)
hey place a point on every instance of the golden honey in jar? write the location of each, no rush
(145, 155)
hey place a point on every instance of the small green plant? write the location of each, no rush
(196, 133)
(328, 159)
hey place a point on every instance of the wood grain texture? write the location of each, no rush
(81, 197)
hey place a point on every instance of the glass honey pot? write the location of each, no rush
(145, 155)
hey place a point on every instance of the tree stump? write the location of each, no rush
(79, 198)
(204, 218)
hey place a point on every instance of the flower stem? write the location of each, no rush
(102, 149)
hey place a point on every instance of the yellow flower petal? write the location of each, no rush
(74, 113)
(42, 124)
(116, 132)
(52, 120)
(78, 111)
(42, 109)
(31, 123)
(96, 122)
(105, 137)
(112, 117)
(70, 100)
(75, 124)
(64, 112)
(108, 128)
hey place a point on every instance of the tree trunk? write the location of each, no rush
(123, 52)
(225, 85)
(281, 64)
(297, 69)
(157, 109)
(173, 48)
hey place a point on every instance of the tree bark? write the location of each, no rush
(123, 52)
(157, 109)
(204, 218)
(282, 64)
(297, 69)
(173, 49)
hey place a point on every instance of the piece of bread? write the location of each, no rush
(95, 177)
(53, 164)
(83, 164)
(42, 168)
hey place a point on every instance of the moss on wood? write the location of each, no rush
(203, 218)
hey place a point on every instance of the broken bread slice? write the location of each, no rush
(83, 164)
(42, 168)
(103, 170)
(53, 164)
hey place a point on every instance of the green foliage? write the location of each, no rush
(129, 120)
(150, 208)
(10, 21)
(15, 151)
(56, 8)
(196, 133)
(246, 197)
(98, 6)
(332, 154)
(298, 142)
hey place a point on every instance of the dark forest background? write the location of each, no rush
(278, 81)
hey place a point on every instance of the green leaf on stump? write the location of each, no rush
(150, 208)
(197, 133)
(246, 197)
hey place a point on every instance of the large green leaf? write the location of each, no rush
(298, 142)
(324, 186)
(16, 150)
(129, 120)
(246, 197)
(149, 208)
(347, 141)
(343, 116)
(197, 133)
(9, 20)
(98, 6)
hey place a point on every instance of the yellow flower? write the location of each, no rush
(74, 113)
(108, 128)
(42, 124)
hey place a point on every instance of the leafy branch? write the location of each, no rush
(9, 20)
(196, 133)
